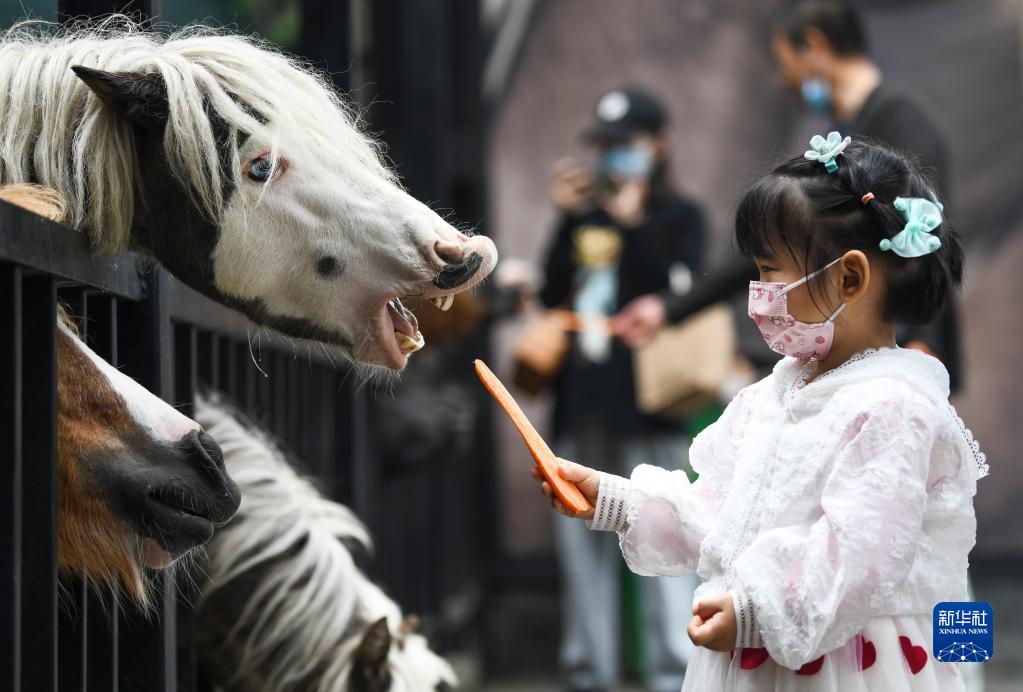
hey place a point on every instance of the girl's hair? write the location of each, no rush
(816, 216)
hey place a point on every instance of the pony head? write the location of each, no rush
(141, 485)
(240, 170)
(285, 606)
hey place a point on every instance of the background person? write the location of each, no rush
(622, 233)
(820, 47)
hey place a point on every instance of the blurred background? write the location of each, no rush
(476, 102)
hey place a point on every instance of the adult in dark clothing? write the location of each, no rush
(821, 50)
(623, 233)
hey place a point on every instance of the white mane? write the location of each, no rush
(55, 131)
(312, 608)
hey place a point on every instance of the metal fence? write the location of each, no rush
(57, 635)
(433, 545)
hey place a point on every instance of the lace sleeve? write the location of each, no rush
(667, 517)
(812, 587)
(609, 513)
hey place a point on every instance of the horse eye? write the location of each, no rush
(260, 170)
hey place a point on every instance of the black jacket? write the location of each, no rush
(673, 233)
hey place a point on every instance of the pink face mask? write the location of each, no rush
(784, 334)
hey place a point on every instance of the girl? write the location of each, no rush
(834, 504)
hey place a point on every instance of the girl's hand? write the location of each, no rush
(586, 479)
(713, 624)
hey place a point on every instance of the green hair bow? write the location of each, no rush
(915, 239)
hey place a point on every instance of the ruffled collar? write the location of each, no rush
(921, 371)
(924, 373)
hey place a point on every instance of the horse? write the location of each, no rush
(140, 485)
(240, 170)
(285, 606)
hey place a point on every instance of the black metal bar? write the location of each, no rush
(72, 9)
(72, 637)
(104, 611)
(11, 481)
(227, 382)
(36, 243)
(187, 357)
(39, 489)
(101, 643)
(326, 37)
(147, 644)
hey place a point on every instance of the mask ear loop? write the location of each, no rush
(797, 284)
(836, 313)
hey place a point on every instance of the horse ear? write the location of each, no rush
(376, 644)
(140, 98)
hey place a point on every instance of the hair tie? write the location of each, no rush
(915, 239)
(825, 150)
(866, 198)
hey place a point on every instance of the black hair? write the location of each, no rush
(838, 20)
(816, 217)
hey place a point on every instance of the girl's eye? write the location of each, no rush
(260, 170)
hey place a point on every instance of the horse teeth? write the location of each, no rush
(409, 345)
(443, 302)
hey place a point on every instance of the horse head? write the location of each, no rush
(285, 606)
(141, 485)
(241, 171)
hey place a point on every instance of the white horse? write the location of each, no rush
(239, 169)
(285, 607)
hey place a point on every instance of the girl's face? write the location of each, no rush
(784, 269)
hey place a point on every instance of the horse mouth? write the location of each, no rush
(397, 334)
(171, 530)
(397, 330)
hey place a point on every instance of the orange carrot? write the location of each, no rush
(566, 491)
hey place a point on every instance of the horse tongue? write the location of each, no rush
(400, 319)
(154, 556)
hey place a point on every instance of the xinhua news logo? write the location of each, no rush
(964, 632)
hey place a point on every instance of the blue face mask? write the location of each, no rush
(817, 95)
(627, 163)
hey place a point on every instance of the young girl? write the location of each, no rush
(834, 504)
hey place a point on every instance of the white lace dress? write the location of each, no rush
(838, 513)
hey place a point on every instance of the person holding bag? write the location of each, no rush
(623, 233)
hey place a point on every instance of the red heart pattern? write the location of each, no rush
(751, 658)
(916, 656)
(811, 668)
(868, 652)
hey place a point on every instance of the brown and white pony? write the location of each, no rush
(285, 607)
(140, 485)
(236, 167)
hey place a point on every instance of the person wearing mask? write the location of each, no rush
(624, 232)
(820, 47)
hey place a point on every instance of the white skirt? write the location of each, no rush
(891, 654)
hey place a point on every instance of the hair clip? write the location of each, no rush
(825, 150)
(915, 239)
(866, 198)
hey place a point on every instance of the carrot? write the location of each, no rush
(566, 491)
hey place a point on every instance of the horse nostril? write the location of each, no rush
(448, 252)
(209, 448)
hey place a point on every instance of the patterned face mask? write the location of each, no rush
(784, 334)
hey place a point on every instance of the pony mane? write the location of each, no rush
(312, 605)
(55, 131)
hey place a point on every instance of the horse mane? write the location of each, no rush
(307, 616)
(55, 131)
(36, 199)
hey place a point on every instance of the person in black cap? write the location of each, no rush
(820, 47)
(624, 232)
